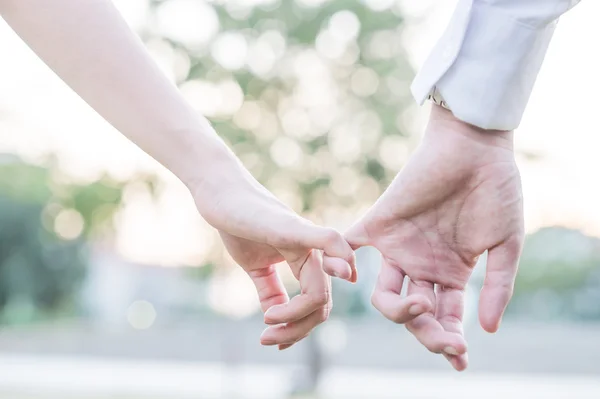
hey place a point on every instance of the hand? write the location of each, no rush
(259, 232)
(458, 196)
(290, 321)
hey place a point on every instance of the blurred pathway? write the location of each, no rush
(64, 377)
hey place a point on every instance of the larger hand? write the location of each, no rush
(458, 196)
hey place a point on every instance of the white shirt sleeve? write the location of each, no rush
(485, 64)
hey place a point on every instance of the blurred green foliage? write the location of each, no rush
(43, 225)
(322, 84)
(310, 95)
(38, 271)
(559, 276)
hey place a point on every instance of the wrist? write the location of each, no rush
(198, 154)
(213, 166)
(215, 175)
(442, 119)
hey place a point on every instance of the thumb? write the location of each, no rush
(357, 235)
(502, 266)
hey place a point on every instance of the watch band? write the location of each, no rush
(436, 97)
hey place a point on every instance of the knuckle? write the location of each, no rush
(289, 333)
(507, 285)
(320, 300)
(499, 281)
(331, 237)
(509, 290)
(454, 321)
(284, 329)
(398, 317)
(324, 314)
(515, 242)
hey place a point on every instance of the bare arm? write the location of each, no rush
(87, 43)
(89, 46)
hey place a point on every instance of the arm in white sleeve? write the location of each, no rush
(485, 64)
(89, 45)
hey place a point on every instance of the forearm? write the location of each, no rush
(91, 48)
(486, 63)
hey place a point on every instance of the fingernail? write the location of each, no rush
(451, 351)
(416, 309)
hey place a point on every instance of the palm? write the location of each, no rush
(456, 198)
(442, 243)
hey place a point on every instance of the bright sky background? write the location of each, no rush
(40, 113)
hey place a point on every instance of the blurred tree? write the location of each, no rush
(44, 223)
(38, 271)
(310, 94)
(559, 276)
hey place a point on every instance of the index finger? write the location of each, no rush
(269, 287)
(315, 293)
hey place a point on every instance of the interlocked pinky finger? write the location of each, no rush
(291, 333)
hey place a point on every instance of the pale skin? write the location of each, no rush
(458, 196)
(89, 46)
(259, 232)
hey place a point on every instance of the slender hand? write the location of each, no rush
(92, 49)
(259, 232)
(458, 196)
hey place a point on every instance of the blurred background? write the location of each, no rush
(112, 286)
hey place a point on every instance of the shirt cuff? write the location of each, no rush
(485, 65)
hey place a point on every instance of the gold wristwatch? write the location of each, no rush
(436, 97)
